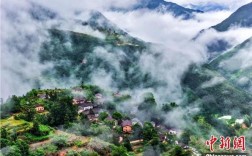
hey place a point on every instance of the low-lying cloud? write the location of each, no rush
(174, 50)
(229, 5)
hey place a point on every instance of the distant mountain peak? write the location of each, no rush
(164, 6)
(39, 12)
(241, 17)
(98, 21)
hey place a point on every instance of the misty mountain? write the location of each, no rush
(240, 18)
(235, 65)
(209, 7)
(97, 21)
(85, 58)
(214, 93)
(116, 58)
(41, 13)
(224, 84)
(164, 7)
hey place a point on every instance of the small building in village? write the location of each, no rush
(39, 108)
(78, 100)
(42, 95)
(172, 132)
(162, 137)
(77, 90)
(99, 98)
(92, 114)
(62, 153)
(87, 105)
(127, 126)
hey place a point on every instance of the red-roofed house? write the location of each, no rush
(39, 108)
(127, 126)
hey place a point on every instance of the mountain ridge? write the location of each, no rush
(241, 17)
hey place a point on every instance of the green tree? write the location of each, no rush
(72, 153)
(119, 151)
(13, 135)
(23, 147)
(117, 116)
(31, 94)
(62, 111)
(37, 152)
(4, 142)
(166, 107)
(88, 153)
(148, 103)
(149, 132)
(185, 136)
(155, 141)
(28, 109)
(103, 115)
(173, 104)
(35, 128)
(178, 151)
(4, 133)
(247, 120)
(12, 151)
(60, 141)
(127, 144)
(138, 132)
(15, 104)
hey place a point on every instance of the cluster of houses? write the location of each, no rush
(91, 110)
(164, 133)
(86, 107)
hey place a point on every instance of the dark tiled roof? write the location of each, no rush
(42, 95)
(86, 112)
(79, 98)
(96, 110)
(86, 104)
(39, 105)
(77, 89)
(126, 123)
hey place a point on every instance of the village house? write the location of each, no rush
(62, 153)
(99, 98)
(162, 137)
(172, 132)
(86, 106)
(77, 90)
(127, 126)
(42, 96)
(39, 108)
(92, 114)
(136, 144)
(78, 100)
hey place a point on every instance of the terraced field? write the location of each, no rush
(19, 125)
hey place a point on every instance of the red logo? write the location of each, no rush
(238, 143)
(225, 143)
(211, 142)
